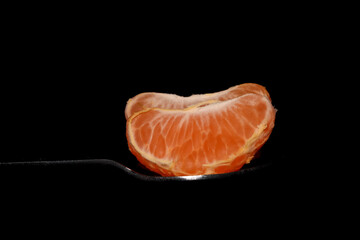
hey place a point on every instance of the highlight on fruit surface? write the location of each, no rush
(201, 134)
(171, 101)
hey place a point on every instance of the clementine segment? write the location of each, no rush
(216, 137)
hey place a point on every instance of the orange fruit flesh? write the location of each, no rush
(171, 101)
(216, 138)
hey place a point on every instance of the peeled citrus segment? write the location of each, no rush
(218, 137)
(171, 101)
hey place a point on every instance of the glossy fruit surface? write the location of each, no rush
(171, 101)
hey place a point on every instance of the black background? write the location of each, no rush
(66, 85)
(67, 72)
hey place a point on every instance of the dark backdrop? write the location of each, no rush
(67, 84)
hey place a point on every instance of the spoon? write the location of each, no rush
(141, 174)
